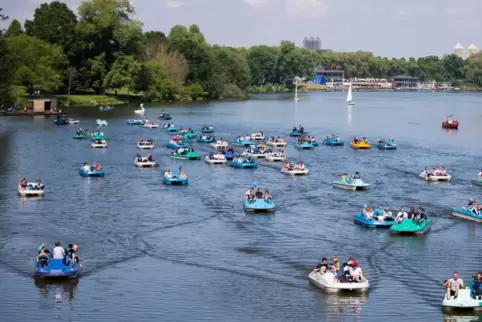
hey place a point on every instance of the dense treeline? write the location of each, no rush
(103, 48)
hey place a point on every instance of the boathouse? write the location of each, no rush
(405, 82)
(42, 105)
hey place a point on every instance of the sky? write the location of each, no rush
(392, 28)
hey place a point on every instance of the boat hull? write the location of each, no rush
(277, 144)
(330, 285)
(207, 131)
(145, 146)
(30, 192)
(423, 176)
(275, 158)
(351, 186)
(358, 146)
(298, 133)
(453, 125)
(56, 270)
(411, 229)
(304, 146)
(175, 180)
(200, 140)
(98, 146)
(466, 214)
(147, 164)
(186, 156)
(464, 300)
(360, 219)
(215, 161)
(259, 205)
(295, 172)
(248, 165)
(84, 173)
(386, 147)
(477, 182)
(333, 142)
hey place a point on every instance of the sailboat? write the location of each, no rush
(349, 97)
(296, 92)
(139, 110)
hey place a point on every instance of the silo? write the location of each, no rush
(472, 50)
(459, 50)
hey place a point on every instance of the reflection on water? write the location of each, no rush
(32, 201)
(349, 116)
(469, 317)
(57, 291)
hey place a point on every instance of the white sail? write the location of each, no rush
(349, 97)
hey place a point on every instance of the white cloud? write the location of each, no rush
(257, 3)
(313, 8)
(174, 4)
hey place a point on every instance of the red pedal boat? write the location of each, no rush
(449, 123)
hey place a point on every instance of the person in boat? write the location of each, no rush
(267, 196)
(98, 167)
(58, 252)
(181, 150)
(38, 185)
(335, 264)
(259, 193)
(294, 129)
(476, 287)
(86, 167)
(211, 156)
(168, 173)
(401, 216)
(357, 175)
(387, 215)
(411, 213)
(43, 258)
(420, 216)
(182, 175)
(301, 129)
(356, 273)
(322, 267)
(44, 248)
(149, 158)
(368, 212)
(139, 157)
(23, 183)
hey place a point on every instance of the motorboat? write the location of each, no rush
(216, 159)
(32, 190)
(466, 214)
(351, 184)
(427, 176)
(331, 284)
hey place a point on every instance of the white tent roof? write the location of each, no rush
(458, 46)
(472, 47)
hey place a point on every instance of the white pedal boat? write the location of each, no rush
(218, 159)
(72, 121)
(96, 145)
(433, 178)
(253, 155)
(145, 164)
(330, 283)
(272, 143)
(464, 300)
(295, 172)
(30, 192)
(150, 125)
(257, 136)
(145, 146)
(219, 144)
(274, 157)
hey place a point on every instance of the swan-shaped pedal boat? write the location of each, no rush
(101, 122)
(386, 144)
(361, 219)
(145, 145)
(169, 128)
(279, 142)
(331, 284)
(207, 129)
(98, 144)
(165, 116)
(140, 110)
(219, 144)
(205, 139)
(466, 214)
(304, 145)
(136, 122)
(32, 190)
(245, 163)
(275, 156)
(144, 163)
(465, 300)
(360, 145)
(257, 136)
(216, 159)
(174, 179)
(150, 125)
(56, 269)
(353, 184)
(91, 173)
(333, 141)
(425, 175)
(409, 226)
(188, 155)
(259, 205)
(477, 181)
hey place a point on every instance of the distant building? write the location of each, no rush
(312, 43)
(472, 50)
(459, 50)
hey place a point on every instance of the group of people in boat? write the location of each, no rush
(309, 139)
(257, 135)
(207, 137)
(205, 127)
(379, 214)
(240, 159)
(170, 175)
(36, 186)
(251, 195)
(183, 150)
(67, 255)
(91, 168)
(147, 142)
(81, 131)
(334, 137)
(437, 172)
(186, 131)
(279, 153)
(149, 124)
(260, 149)
(349, 272)
(349, 179)
(99, 141)
(290, 166)
(472, 206)
(454, 284)
(242, 139)
(299, 129)
(417, 216)
(388, 142)
(139, 158)
(357, 140)
(163, 114)
(278, 139)
(168, 125)
(218, 156)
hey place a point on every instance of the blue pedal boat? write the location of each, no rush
(56, 269)
(136, 122)
(466, 214)
(389, 145)
(207, 130)
(175, 179)
(246, 163)
(165, 116)
(360, 219)
(259, 205)
(304, 145)
(297, 133)
(205, 140)
(334, 142)
(94, 173)
(242, 142)
(171, 128)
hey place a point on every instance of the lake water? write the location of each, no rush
(189, 253)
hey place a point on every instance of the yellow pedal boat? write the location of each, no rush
(360, 145)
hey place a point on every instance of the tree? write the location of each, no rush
(234, 66)
(262, 63)
(6, 69)
(153, 80)
(123, 72)
(107, 27)
(15, 29)
(36, 63)
(54, 23)
(174, 63)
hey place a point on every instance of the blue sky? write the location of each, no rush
(393, 28)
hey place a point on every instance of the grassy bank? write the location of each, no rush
(84, 100)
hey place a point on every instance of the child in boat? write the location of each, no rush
(42, 258)
(182, 175)
(168, 173)
(357, 175)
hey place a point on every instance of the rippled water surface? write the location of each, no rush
(167, 253)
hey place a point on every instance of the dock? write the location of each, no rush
(28, 113)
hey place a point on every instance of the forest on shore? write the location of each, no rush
(101, 48)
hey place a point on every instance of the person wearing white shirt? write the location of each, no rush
(58, 252)
(356, 272)
(249, 192)
(168, 173)
(86, 167)
(480, 173)
(401, 216)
